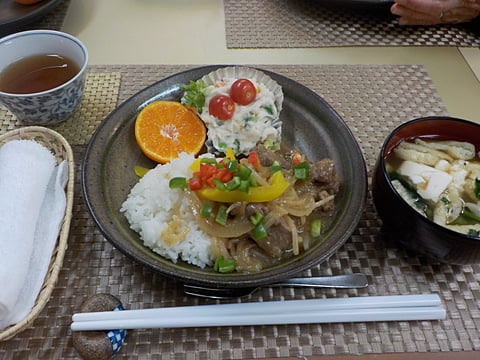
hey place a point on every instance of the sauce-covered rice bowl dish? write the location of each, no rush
(278, 186)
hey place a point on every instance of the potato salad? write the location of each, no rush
(238, 113)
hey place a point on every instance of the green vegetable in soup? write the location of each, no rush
(477, 188)
(409, 194)
(439, 179)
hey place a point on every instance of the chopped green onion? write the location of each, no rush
(244, 185)
(222, 216)
(223, 265)
(270, 145)
(207, 160)
(233, 184)
(300, 174)
(256, 218)
(140, 171)
(232, 165)
(219, 184)
(206, 211)
(275, 167)
(315, 228)
(259, 232)
(243, 172)
(252, 181)
(301, 171)
(177, 183)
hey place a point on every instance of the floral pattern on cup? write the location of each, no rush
(50, 106)
(46, 109)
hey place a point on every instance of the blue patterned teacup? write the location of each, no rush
(53, 105)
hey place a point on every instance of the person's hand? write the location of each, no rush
(432, 12)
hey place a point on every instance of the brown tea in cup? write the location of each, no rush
(37, 73)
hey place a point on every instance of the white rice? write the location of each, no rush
(152, 208)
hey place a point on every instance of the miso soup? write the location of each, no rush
(441, 180)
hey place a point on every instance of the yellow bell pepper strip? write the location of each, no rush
(195, 166)
(140, 171)
(230, 154)
(275, 188)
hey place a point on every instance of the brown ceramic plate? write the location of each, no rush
(310, 125)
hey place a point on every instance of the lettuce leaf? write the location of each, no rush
(194, 94)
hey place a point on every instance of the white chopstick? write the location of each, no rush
(355, 309)
(259, 307)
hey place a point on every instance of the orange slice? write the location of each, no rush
(164, 129)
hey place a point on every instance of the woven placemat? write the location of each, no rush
(309, 23)
(372, 99)
(99, 99)
(54, 20)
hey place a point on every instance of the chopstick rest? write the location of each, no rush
(355, 309)
(99, 344)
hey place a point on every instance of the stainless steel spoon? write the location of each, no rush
(348, 281)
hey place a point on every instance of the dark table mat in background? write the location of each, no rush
(309, 23)
(372, 99)
(52, 20)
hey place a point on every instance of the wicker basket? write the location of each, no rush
(62, 151)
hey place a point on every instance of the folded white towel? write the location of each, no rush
(32, 206)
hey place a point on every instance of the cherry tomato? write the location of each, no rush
(222, 107)
(243, 91)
